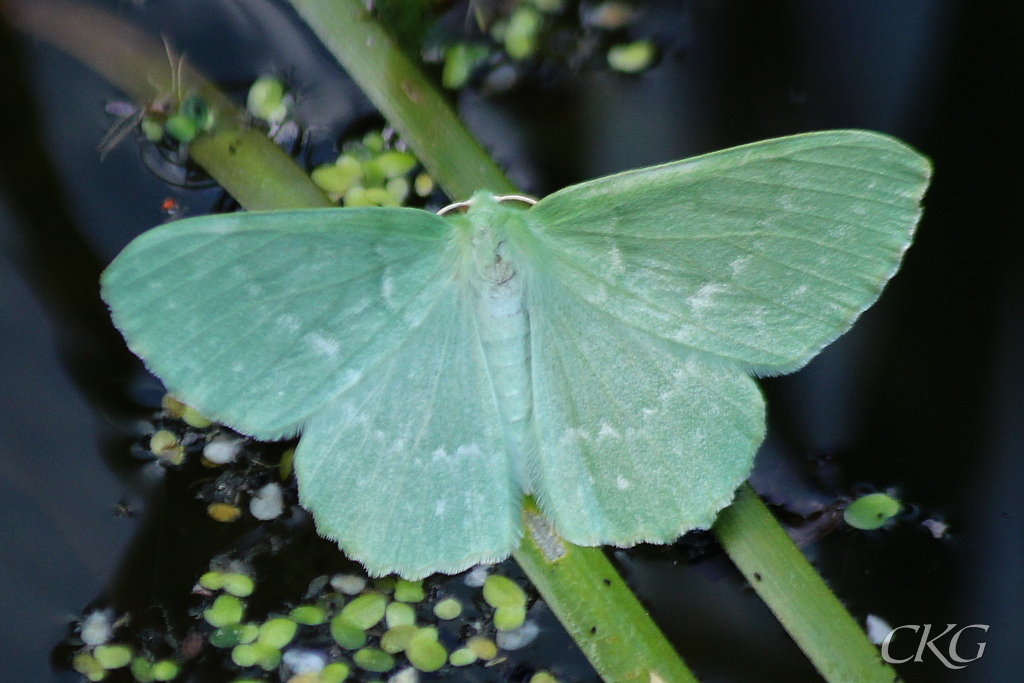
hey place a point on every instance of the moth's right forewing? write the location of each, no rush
(258, 319)
(760, 254)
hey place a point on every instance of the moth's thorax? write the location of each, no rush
(491, 224)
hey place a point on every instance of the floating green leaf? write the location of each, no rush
(871, 511)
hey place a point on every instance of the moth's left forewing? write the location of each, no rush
(760, 254)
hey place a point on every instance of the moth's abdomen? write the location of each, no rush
(504, 325)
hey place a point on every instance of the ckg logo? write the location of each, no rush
(949, 655)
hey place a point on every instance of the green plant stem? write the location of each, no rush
(253, 169)
(256, 172)
(596, 607)
(405, 97)
(796, 594)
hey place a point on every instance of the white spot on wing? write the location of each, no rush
(615, 256)
(597, 296)
(387, 290)
(468, 451)
(288, 322)
(350, 377)
(323, 345)
(739, 265)
(621, 483)
(607, 432)
(703, 299)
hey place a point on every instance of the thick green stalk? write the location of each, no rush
(405, 97)
(253, 169)
(796, 594)
(596, 607)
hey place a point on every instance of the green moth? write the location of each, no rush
(595, 349)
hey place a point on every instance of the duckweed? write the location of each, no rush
(284, 468)
(507, 618)
(335, 179)
(194, 418)
(142, 670)
(365, 611)
(113, 656)
(212, 581)
(165, 445)
(267, 656)
(346, 634)
(397, 638)
(85, 664)
(423, 185)
(372, 659)
(277, 632)
(379, 196)
(483, 647)
(310, 615)
(501, 591)
(871, 511)
(152, 129)
(448, 609)
(399, 614)
(226, 636)
(225, 610)
(266, 99)
(460, 60)
(165, 670)
(462, 657)
(425, 652)
(335, 672)
(398, 188)
(409, 591)
(245, 655)
(521, 32)
(238, 584)
(631, 58)
(349, 584)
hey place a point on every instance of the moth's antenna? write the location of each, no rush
(517, 198)
(455, 207)
(503, 198)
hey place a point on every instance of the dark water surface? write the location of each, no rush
(925, 395)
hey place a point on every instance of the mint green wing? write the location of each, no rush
(258, 319)
(762, 254)
(408, 470)
(639, 439)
